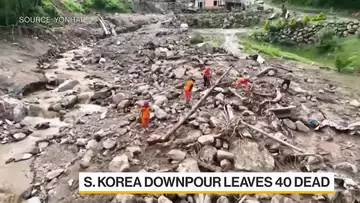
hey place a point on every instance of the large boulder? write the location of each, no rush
(196, 38)
(12, 109)
(249, 157)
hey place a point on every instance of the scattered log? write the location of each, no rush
(235, 93)
(275, 100)
(282, 112)
(194, 108)
(266, 70)
(103, 26)
(272, 137)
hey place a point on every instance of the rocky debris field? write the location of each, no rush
(86, 119)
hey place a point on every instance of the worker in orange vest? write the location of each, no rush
(187, 89)
(243, 81)
(145, 115)
(207, 76)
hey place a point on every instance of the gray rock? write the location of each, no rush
(123, 104)
(179, 72)
(56, 107)
(225, 164)
(134, 150)
(196, 38)
(160, 113)
(281, 199)
(119, 164)
(221, 154)
(34, 200)
(92, 144)
(123, 123)
(206, 139)
(124, 199)
(223, 199)
(159, 100)
(81, 142)
(86, 159)
(163, 199)
(109, 143)
(208, 154)
(249, 157)
(346, 166)
(205, 48)
(188, 165)
(289, 124)
(54, 174)
(301, 127)
(142, 89)
(176, 155)
(19, 112)
(68, 101)
(19, 136)
(354, 103)
(119, 97)
(67, 85)
(220, 97)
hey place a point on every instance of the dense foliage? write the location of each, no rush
(12, 10)
(325, 40)
(336, 4)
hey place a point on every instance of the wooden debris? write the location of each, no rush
(272, 137)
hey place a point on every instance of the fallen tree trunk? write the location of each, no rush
(103, 26)
(194, 108)
(272, 137)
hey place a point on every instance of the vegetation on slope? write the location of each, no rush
(345, 4)
(12, 10)
(343, 54)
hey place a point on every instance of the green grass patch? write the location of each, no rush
(309, 53)
(254, 46)
(119, 6)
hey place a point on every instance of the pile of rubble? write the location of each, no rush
(95, 95)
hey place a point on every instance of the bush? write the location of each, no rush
(305, 19)
(325, 40)
(267, 25)
(72, 6)
(293, 23)
(319, 17)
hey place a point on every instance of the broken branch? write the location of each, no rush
(194, 108)
(272, 137)
(266, 70)
(235, 93)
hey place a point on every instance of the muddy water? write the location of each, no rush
(16, 184)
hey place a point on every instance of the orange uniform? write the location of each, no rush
(145, 115)
(243, 81)
(187, 89)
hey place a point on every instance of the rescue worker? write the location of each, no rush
(187, 89)
(145, 115)
(207, 76)
(243, 81)
(286, 82)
